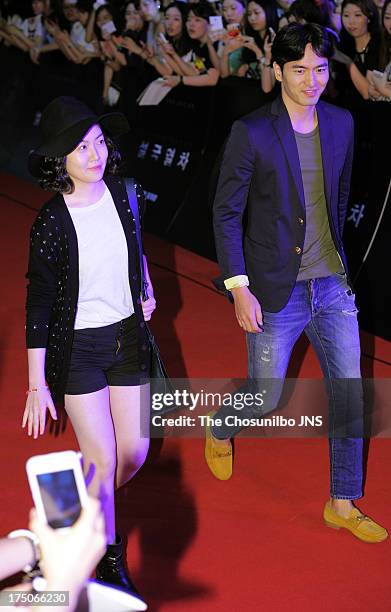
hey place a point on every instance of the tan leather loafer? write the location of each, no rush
(357, 523)
(218, 456)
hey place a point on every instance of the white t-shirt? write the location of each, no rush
(104, 291)
(33, 27)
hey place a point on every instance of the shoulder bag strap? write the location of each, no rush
(132, 197)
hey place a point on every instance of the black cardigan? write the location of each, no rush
(53, 288)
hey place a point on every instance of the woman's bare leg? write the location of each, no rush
(130, 411)
(91, 420)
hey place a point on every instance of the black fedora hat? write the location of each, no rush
(63, 124)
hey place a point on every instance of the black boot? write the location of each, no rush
(112, 568)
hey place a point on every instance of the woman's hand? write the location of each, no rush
(267, 46)
(127, 43)
(374, 93)
(108, 49)
(171, 80)
(51, 27)
(231, 44)
(249, 43)
(166, 48)
(242, 70)
(215, 35)
(148, 307)
(34, 415)
(34, 54)
(147, 52)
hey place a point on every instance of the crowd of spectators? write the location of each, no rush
(107, 53)
(120, 55)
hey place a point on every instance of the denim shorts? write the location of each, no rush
(104, 356)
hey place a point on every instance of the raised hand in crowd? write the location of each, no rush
(166, 48)
(111, 52)
(217, 35)
(267, 46)
(127, 43)
(379, 87)
(249, 43)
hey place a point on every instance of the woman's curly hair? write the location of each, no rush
(54, 176)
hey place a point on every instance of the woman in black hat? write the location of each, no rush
(86, 336)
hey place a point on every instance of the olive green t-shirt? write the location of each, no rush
(319, 257)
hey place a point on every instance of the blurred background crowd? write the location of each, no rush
(107, 53)
(182, 72)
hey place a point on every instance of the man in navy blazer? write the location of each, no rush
(279, 213)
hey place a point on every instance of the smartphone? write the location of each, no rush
(377, 74)
(58, 487)
(108, 28)
(216, 22)
(270, 35)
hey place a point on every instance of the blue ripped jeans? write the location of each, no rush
(325, 310)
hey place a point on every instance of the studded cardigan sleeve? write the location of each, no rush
(42, 280)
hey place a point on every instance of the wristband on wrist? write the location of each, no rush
(35, 389)
(32, 538)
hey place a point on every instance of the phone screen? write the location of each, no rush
(60, 498)
(108, 28)
(216, 22)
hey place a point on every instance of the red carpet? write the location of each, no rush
(256, 542)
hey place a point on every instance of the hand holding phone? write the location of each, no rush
(107, 29)
(377, 75)
(68, 557)
(58, 488)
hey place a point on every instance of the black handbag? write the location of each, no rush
(160, 382)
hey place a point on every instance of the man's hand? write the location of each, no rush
(248, 310)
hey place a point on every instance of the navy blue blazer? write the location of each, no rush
(260, 177)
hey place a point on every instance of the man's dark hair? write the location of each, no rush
(290, 42)
(54, 176)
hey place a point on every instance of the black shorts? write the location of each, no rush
(104, 356)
